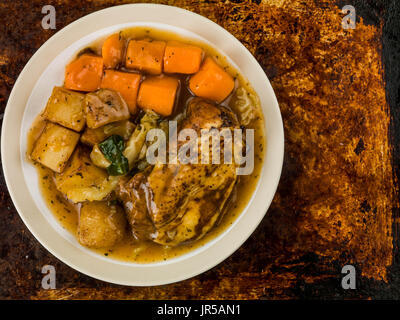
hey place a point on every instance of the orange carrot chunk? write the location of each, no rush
(211, 82)
(182, 58)
(158, 94)
(112, 51)
(145, 55)
(127, 84)
(84, 73)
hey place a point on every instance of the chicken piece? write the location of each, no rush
(104, 106)
(134, 193)
(174, 203)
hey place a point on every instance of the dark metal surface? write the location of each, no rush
(337, 202)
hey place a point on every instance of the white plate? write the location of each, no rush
(30, 93)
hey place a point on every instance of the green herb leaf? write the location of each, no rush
(119, 167)
(112, 149)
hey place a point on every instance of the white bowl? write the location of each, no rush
(30, 93)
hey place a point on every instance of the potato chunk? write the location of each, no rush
(124, 129)
(83, 181)
(54, 146)
(101, 225)
(65, 107)
(105, 106)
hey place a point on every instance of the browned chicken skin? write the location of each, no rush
(174, 203)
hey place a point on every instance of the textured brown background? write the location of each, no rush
(337, 202)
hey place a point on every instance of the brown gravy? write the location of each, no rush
(132, 250)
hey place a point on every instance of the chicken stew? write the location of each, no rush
(90, 145)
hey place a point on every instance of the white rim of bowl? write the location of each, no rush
(188, 265)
